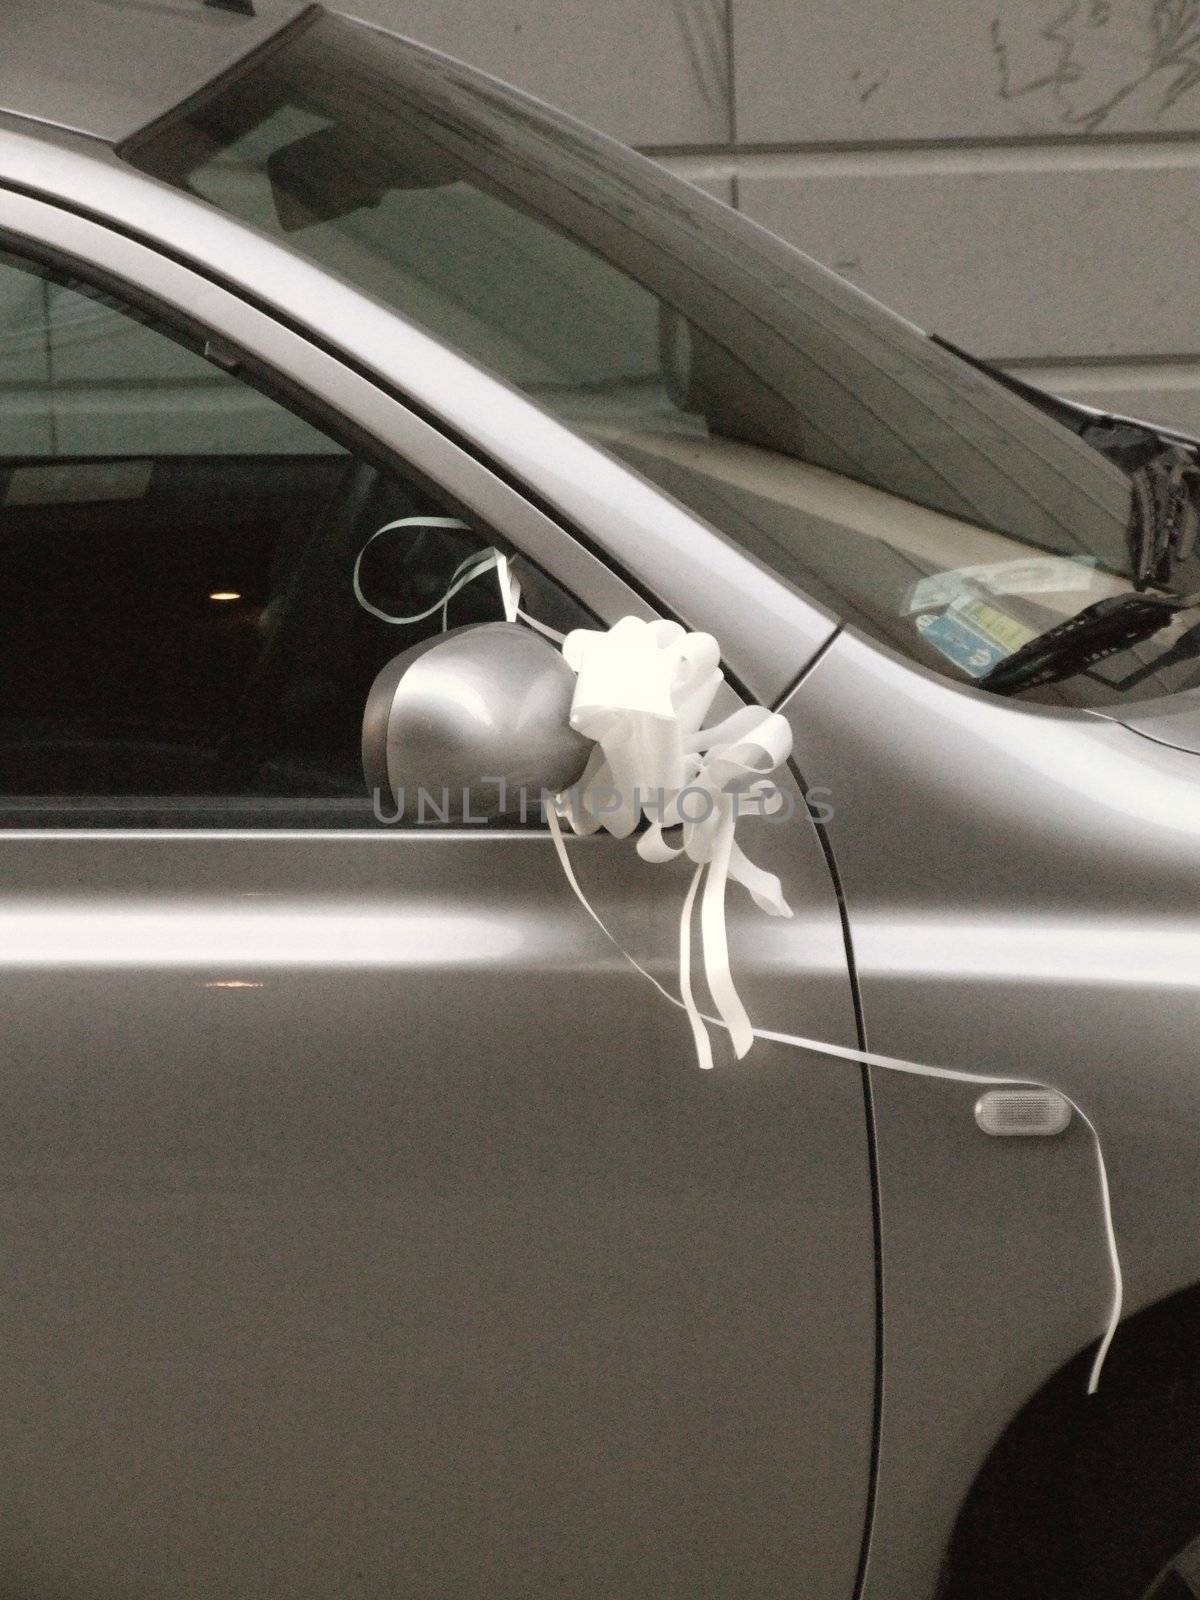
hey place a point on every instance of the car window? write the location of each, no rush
(864, 463)
(179, 635)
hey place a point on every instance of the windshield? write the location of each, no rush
(870, 467)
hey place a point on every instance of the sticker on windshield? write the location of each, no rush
(960, 643)
(1031, 575)
(995, 625)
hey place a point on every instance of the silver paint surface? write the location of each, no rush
(1174, 720)
(478, 716)
(372, 1229)
(1023, 893)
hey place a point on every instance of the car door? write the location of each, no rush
(369, 1226)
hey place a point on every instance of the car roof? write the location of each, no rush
(108, 67)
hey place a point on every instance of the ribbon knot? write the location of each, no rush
(643, 690)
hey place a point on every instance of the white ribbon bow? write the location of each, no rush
(642, 692)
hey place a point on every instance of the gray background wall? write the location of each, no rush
(1022, 176)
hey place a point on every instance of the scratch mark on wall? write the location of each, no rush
(1092, 58)
(703, 26)
(867, 86)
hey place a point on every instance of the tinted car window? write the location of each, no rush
(835, 442)
(179, 637)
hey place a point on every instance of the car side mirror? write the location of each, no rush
(473, 717)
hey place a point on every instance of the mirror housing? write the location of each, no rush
(337, 171)
(466, 709)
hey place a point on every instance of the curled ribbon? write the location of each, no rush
(642, 693)
(474, 566)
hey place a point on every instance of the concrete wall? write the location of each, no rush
(1022, 176)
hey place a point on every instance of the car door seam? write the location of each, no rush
(860, 1028)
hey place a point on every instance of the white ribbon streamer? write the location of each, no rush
(866, 1058)
(474, 566)
(642, 692)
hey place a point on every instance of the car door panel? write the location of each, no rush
(371, 1228)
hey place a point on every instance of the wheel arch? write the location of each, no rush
(1069, 1463)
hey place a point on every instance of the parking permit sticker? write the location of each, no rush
(995, 625)
(960, 643)
(1032, 575)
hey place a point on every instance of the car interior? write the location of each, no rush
(203, 638)
(179, 631)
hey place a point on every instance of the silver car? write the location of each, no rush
(369, 1229)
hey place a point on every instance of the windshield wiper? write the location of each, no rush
(1165, 515)
(1162, 467)
(1100, 630)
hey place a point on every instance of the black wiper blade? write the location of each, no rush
(1100, 630)
(1165, 515)
(1163, 468)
